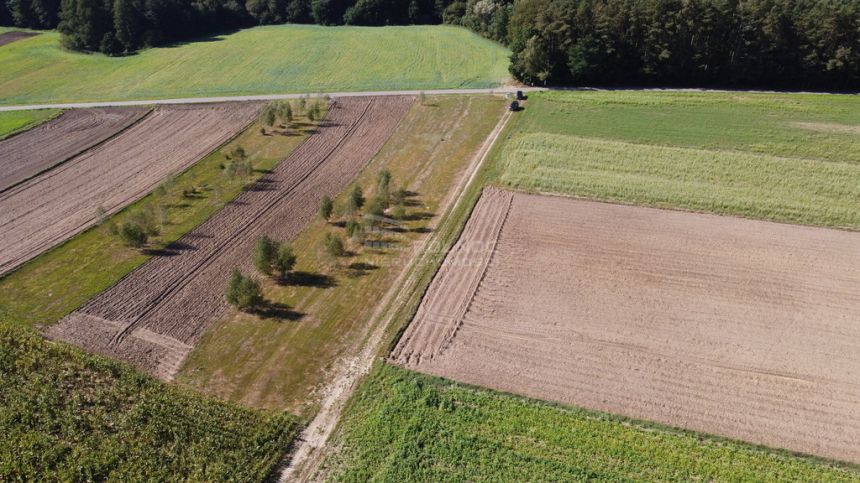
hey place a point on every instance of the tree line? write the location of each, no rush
(758, 43)
(767, 43)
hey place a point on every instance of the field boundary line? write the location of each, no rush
(308, 450)
(270, 97)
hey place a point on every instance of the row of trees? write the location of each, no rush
(757, 43)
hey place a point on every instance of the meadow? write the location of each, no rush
(262, 60)
(16, 121)
(788, 158)
(70, 416)
(405, 426)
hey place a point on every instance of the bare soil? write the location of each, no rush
(31, 152)
(50, 208)
(9, 37)
(740, 328)
(153, 317)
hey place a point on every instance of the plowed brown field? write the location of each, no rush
(9, 37)
(48, 209)
(153, 317)
(740, 328)
(31, 152)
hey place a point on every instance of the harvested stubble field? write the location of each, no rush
(9, 37)
(48, 209)
(32, 152)
(740, 328)
(153, 317)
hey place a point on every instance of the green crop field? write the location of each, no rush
(17, 121)
(262, 60)
(404, 426)
(790, 158)
(69, 416)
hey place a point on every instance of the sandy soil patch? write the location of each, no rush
(31, 152)
(48, 209)
(739, 328)
(154, 316)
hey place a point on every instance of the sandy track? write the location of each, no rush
(153, 317)
(44, 211)
(740, 328)
(31, 152)
(9, 37)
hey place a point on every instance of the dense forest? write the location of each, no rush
(775, 43)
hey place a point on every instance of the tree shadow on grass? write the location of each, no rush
(359, 269)
(309, 279)
(276, 310)
(418, 216)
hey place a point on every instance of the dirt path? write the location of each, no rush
(36, 150)
(310, 448)
(273, 97)
(9, 37)
(740, 328)
(154, 316)
(47, 210)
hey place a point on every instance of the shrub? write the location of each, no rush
(286, 112)
(355, 201)
(243, 292)
(326, 207)
(334, 245)
(145, 220)
(285, 261)
(265, 255)
(133, 235)
(399, 211)
(269, 117)
(383, 185)
(352, 227)
(376, 207)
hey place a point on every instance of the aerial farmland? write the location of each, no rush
(478, 240)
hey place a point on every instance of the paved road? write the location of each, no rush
(265, 97)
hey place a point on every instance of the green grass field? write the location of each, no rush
(69, 416)
(404, 426)
(17, 121)
(789, 158)
(59, 281)
(262, 60)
